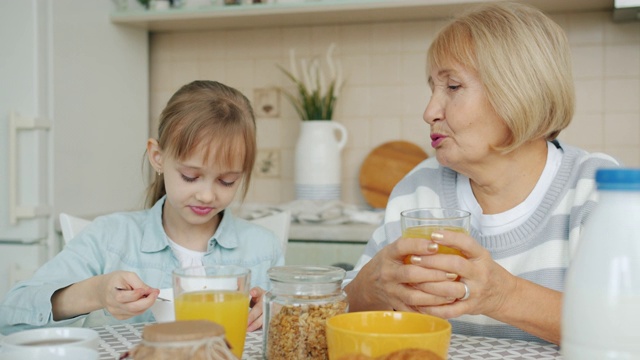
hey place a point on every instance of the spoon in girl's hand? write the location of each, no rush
(158, 298)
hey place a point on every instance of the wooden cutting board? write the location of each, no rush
(384, 167)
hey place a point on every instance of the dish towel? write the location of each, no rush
(330, 212)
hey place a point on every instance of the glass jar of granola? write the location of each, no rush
(301, 300)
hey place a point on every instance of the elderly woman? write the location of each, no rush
(502, 90)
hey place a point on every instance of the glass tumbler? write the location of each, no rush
(216, 293)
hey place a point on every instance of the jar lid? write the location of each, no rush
(618, 179)
(183, 330)
(306, 274)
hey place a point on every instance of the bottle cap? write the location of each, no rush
(618, 179)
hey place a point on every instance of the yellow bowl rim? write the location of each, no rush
(447, 328)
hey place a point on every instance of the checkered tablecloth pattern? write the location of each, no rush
(478, 347)
(117, 339)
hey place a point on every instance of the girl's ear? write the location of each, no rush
(154, 153)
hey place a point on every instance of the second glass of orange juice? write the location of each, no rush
(420, 223)
(216, 293)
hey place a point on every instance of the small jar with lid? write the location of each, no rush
(182, 340)
(297, 307)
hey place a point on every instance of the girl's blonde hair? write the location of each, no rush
(523, 60)
(203, 113)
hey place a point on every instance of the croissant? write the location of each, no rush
(405, 354)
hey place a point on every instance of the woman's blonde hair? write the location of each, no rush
(203, 113)
(523, 60)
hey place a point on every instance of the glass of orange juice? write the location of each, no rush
(420, 223)
(216, 293)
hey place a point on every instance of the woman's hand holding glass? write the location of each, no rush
(489, 283)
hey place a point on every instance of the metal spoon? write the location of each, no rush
(158, 298)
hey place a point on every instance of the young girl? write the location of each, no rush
(112, 270)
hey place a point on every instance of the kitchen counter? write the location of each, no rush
(355, 233)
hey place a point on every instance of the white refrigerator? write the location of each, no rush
(73, 123)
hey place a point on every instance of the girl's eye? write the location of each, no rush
(188, 179)
(227, 184)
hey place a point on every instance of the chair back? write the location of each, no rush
(279, 224)
(71, 226)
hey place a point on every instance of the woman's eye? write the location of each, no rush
(187, 178)
(453, 87)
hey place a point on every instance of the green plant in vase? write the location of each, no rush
(316, 95)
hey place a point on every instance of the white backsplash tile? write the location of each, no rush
(622, 60)
(385, 129)
(415, 130)
(589, 95)
(626, 155)
(359, 130)
(626, 131)
(415, 99)
(355, 40)
(298, 39)
(183, 72)
(622, 33)
(213, 69)
(588, 61)
(386, 101)
(385, 69)
(269, 134)
(413, 70)
(240, 72)
(386, 38)
(385, 89)
(359, 66)
(587, 28)
(417, 35)
(622, 95)
(586, 131)
(322, 37)
(354, 102)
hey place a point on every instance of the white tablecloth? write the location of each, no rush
(117, 339)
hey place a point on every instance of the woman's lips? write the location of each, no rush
(437, 139)
(201, 210)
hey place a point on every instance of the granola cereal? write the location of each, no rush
(297, 332)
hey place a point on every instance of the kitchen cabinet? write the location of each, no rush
(318, 12)
(324, 244)
(80, 86)
(341, 254)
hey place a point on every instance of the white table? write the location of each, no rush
(117, 339)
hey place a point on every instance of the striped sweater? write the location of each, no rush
(538, 250)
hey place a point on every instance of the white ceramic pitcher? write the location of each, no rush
(317, 159)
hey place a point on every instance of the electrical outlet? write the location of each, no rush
(267, 163)
(266, 102)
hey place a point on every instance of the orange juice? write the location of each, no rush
(227, 308)
(424, 232)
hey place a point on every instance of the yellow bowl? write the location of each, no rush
(377, 333)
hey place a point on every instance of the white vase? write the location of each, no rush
(317, 159)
